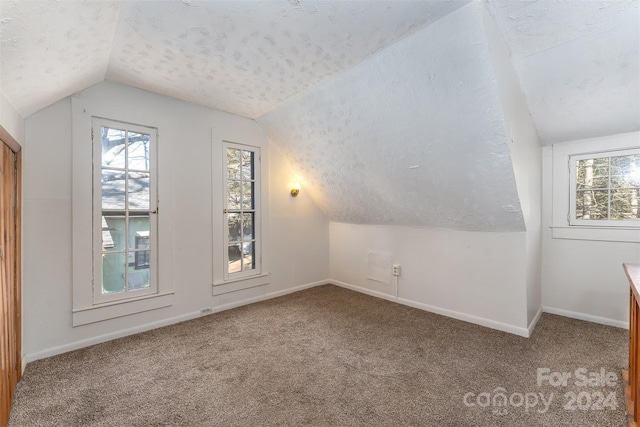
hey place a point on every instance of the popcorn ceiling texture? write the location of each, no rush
(412, 136)
(52, 50)
(578, 64)
(243, 57)
(389, 109)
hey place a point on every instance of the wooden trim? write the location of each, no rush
(628, 404)
(18, 261)
(631, 377)
(10, 288)
(6, 137)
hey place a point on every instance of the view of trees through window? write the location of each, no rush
(608, 188)
(240, 210)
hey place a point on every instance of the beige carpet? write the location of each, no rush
(331, 357)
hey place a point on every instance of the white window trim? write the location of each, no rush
(563, 201)
(224, 284)
(84, 310)
(98, 297)
(573, 193)
(257, 271)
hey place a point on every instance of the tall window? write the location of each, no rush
(125, 210)
(605, 188)
(242, 210)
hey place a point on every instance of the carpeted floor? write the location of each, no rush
(331, 357)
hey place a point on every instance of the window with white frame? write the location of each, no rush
(605, 188)
(242, 211)
(593, 185)
(124, 211)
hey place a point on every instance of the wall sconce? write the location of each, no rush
(295, 190)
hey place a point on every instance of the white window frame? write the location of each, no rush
(257, 199)
(98, 296)
(573, 159)
(85, 310)
(563, 181)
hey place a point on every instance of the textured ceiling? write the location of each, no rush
(578, 64)
(244, 57)
(413, 136)
(577, 60)
(388, 109)
(50, 50)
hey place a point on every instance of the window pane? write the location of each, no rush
(113, 189)
(113, 272)
(112, 147)
(247, 195)
(233, 188)
(625, 171)
(624, 204)
(139, 190)
(138, 228)
(233, 163)
(248, 262)
(247, 165)
(235, 260)
(113, 233)
(234, 227)
(247, 226)
(592, 204)
(139, 278)
(138, 151)
(592, 173)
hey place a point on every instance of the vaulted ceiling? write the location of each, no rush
(244, 57)
(388, 109)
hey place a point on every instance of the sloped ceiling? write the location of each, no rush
(578, 64)
(51, 50)
(388, 109)
(244, 57)
(412, 136)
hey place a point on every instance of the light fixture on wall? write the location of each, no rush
(295, 190)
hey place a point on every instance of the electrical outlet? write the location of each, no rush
(206, 311)
(396, 270)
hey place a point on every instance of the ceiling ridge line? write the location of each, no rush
(367, 59)
(113, 39)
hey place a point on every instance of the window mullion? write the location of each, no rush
(126, 211)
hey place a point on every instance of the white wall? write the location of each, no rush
(488, 278)
(11, 120)
(299, 231)
(413, 136)
(526, 158)
(474, 276)
(296, 233)
(583, 278)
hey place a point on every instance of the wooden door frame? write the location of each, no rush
(13, 375)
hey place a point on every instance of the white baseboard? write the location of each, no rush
(54, 351)
(31, 357)
(493, 324)
(524, 332)
(587, 317)
(270, 295)
(534, 322)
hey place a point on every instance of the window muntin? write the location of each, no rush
(242, 210)
(605, 189)
(124, 193)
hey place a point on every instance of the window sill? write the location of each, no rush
(603, 234)
(112, 310)
(233, 285)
